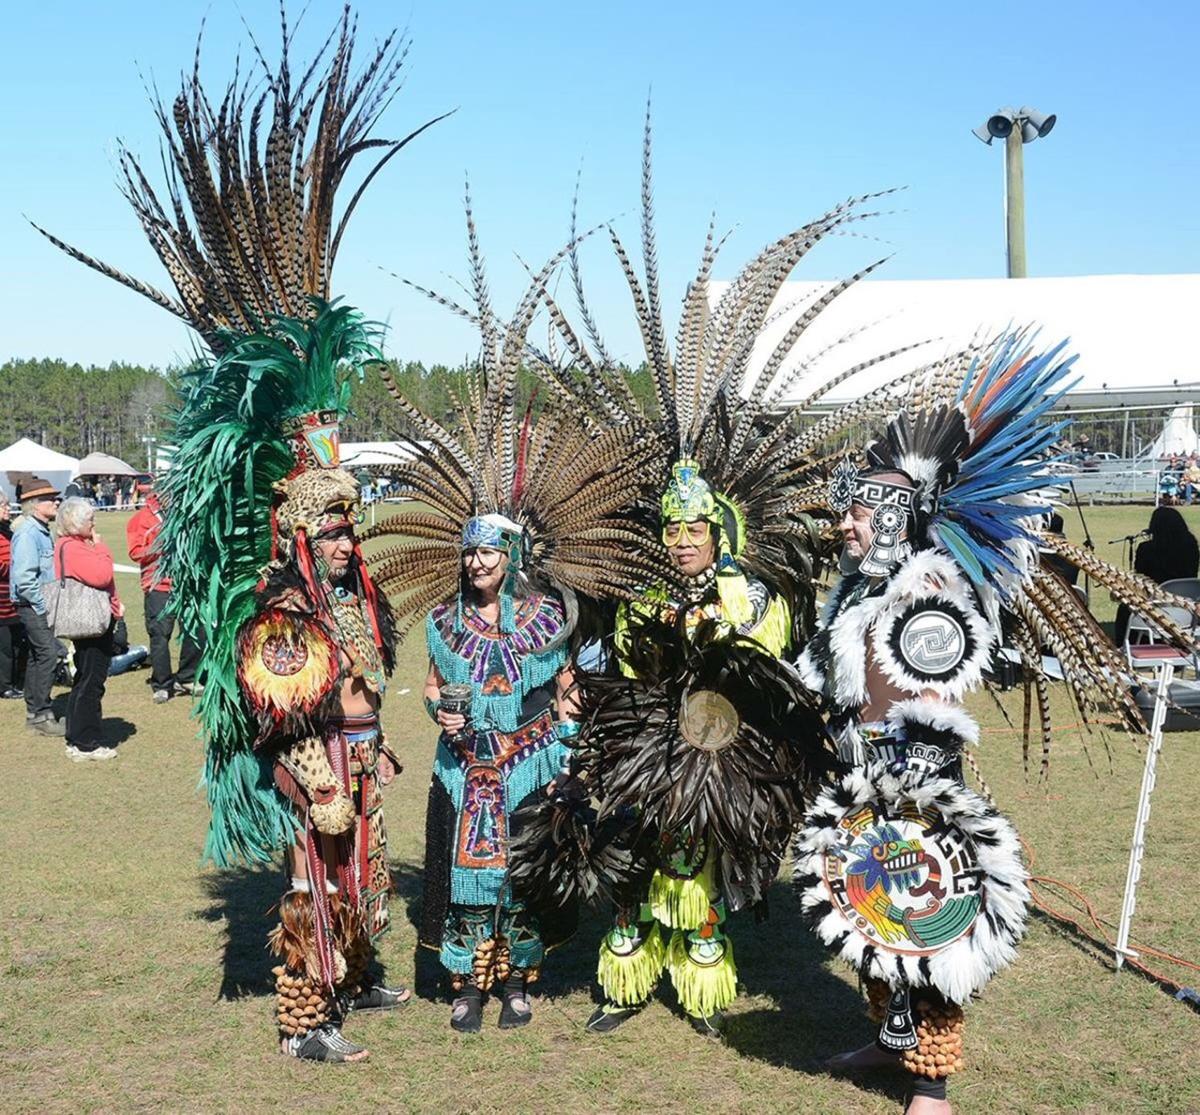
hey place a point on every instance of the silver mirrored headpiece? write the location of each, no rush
(888, 547)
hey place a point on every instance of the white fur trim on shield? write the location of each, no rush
(965, 965)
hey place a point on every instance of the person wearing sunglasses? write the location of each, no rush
(679, 925)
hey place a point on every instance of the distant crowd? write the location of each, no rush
(1180, 479)
(63, 619)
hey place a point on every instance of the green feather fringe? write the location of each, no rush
(216, 536)
(629, 980)
(702, 989)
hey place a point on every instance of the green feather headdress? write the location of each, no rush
(217, 537)
(248, 230)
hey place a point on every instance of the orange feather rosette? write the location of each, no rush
(288, 666)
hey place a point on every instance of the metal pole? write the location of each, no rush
(1134, 873)
(1014, 193)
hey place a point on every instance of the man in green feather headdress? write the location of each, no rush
(258, 538)
(679, 925)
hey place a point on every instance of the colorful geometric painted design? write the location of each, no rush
(483, 820)
(315, 439)
(908, 882)
(494, 658)
(706, 945)
(682, 854)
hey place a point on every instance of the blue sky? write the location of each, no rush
(767, 113)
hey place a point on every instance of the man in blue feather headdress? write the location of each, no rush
(911, 877)
(904, 638)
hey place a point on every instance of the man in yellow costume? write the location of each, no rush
(679, 924)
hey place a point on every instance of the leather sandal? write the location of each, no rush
(379, 998)
(466, 1014)
(608, 1016)
(517, 1010)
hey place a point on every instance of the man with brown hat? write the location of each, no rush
(32, 567)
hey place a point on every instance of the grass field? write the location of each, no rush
(134, 980)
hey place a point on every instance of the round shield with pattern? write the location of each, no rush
(904, 879)
(896, 869)
(707, 720)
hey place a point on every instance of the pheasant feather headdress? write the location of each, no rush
(729, 450)
(978, 447)
(248, 235)
(249, 229)
(554, 486)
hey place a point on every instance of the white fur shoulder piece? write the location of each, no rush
(929, 634)
(934, 714)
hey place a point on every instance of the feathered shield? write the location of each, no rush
(713, 737)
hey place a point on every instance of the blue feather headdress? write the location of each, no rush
(979, 458)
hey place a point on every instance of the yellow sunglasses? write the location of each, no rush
(696, 534)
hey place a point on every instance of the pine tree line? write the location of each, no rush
(117, 409)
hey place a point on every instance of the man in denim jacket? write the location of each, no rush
(32, 567)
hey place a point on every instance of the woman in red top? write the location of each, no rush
(81, 555)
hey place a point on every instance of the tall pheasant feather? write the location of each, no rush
(250, 229)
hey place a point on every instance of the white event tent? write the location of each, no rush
(1178, 435)
(29, 457)
(361, 454)
(104, 464)
(1132, 333)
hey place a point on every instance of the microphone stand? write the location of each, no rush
(1088, 543)
(1129, 540)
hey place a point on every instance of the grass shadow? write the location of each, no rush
(116, 730)
(816, 1014)
(407, 885)
(1101, 953)
(243, 898)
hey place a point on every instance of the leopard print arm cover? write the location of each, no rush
(330, 807)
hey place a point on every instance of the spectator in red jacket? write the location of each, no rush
(81, 555)
(141, 535)
(11, 634)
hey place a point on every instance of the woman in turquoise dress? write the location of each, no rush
(508, 643)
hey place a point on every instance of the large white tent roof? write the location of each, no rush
(1133, 333)
(28, 456)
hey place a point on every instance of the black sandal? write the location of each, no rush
(466, 1012)
(710, 1026)
(516, 1011)
(379, 998)
(608, 1016)
(325, 1044)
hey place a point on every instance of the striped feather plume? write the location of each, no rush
(248, 229)
(708, 403)
(544, 462)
